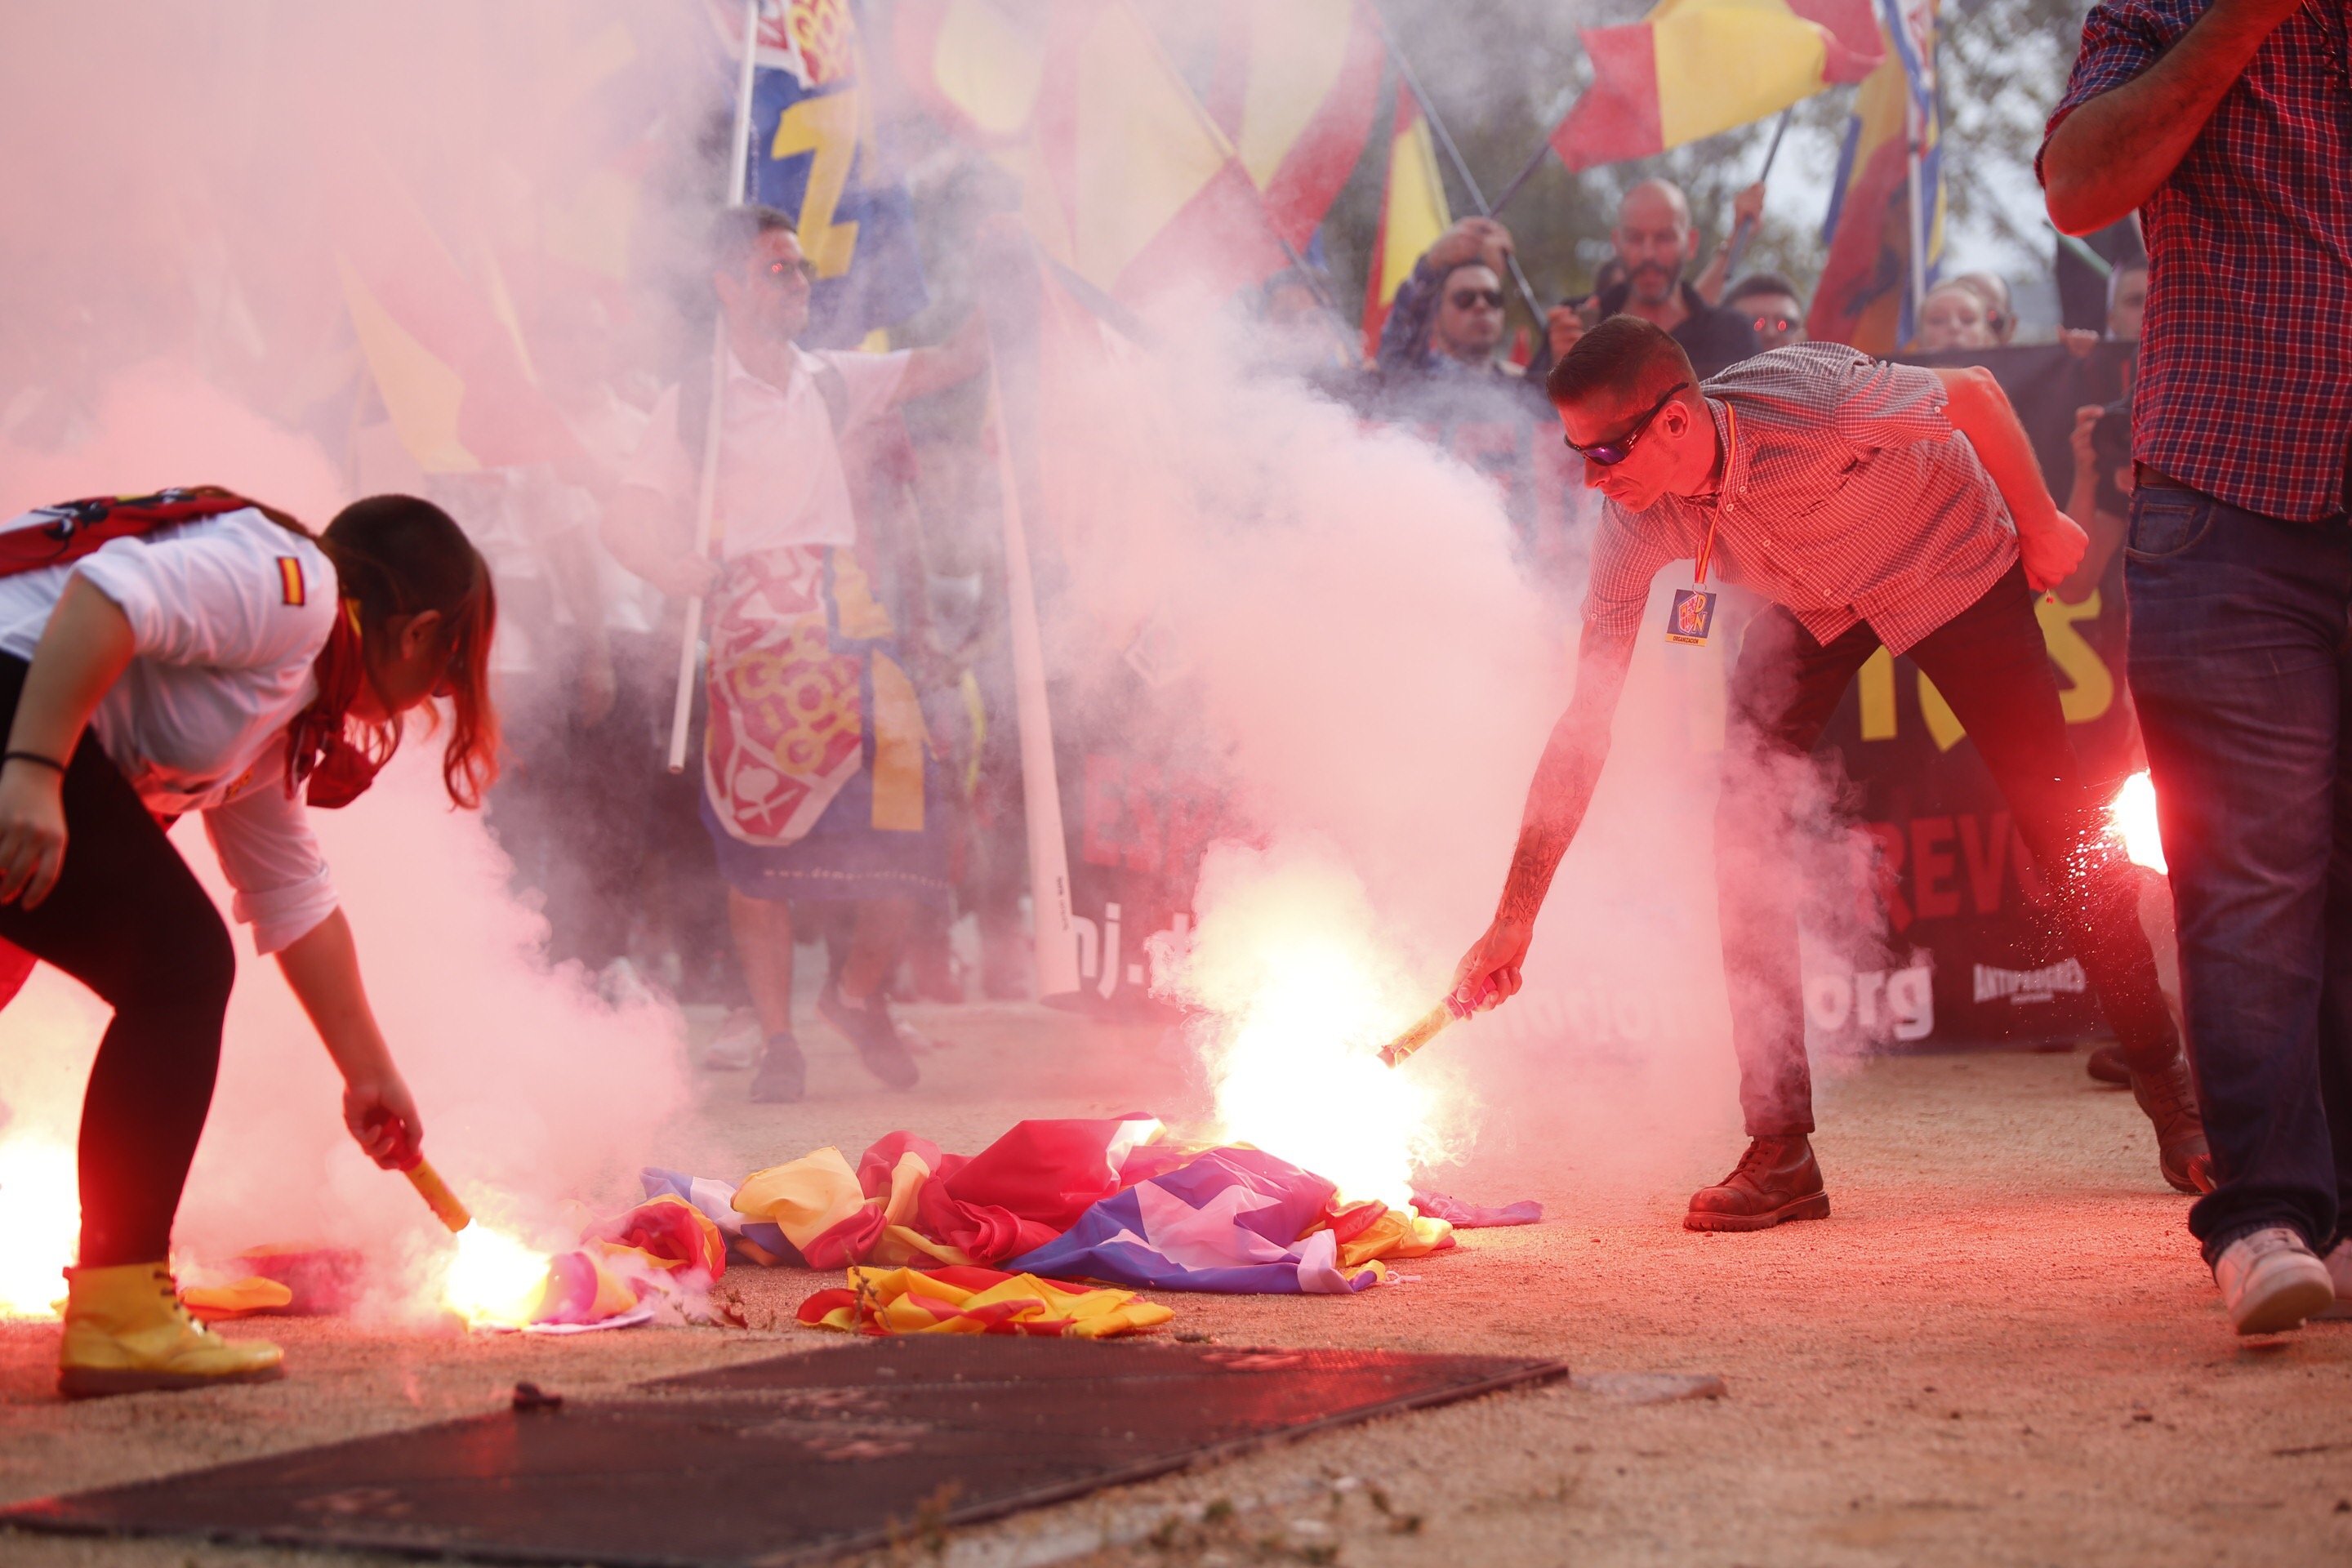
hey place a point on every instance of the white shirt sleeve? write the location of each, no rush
(223, 599)
(271, 858)
(658, 462)
(872, 380)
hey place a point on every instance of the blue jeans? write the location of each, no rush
(2242, 668)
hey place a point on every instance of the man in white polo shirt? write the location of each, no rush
(815, 755)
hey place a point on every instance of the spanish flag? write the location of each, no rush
(1297, 86)
(1863, 298)
(1694, 67)
(1412, 214)
(1126, 179)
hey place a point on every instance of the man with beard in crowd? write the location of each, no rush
(1656, 242)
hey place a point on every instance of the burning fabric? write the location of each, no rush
(907, 1202)
(664, 1248)
(970, 1301)
(1094, 1199)
(1233, 1219)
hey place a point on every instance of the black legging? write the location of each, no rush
(128, 919)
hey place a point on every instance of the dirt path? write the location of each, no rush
(2001, 1349)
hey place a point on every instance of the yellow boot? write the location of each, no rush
(126, 1332)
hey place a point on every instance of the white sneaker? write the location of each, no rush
(2270, 1281)
(737, 1044)
(2339, 1271)
(620, 985)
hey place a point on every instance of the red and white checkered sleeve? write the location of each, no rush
(1625, 559)
(1876, 404)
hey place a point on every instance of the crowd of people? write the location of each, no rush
(851, 772)
(847, 771)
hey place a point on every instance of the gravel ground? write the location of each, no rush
(2000, 1349)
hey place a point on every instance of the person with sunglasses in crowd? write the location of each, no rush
(192, 650)
(1772, 306)
(1876, 506)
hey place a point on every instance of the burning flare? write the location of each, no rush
(40, 1219)
(1299, 1075)
(2133, 814)
(493, 1279)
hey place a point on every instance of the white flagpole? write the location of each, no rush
(1914, 130)
(1041, 788)
(707, 493)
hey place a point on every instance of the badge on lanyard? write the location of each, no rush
(1693, 614)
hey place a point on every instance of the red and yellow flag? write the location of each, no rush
(1693, 67)
(1863, 298)
(1126, 179)
(1412, 214)
(1296, 88)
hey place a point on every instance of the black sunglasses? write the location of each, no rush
(1609, 454)
(781, 269)
(1463, 298)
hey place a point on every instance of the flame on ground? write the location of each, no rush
(494, 1279)
(2133, 813)
(40, 1218)
(1300, 1076)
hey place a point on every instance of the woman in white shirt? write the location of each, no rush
(192, 651)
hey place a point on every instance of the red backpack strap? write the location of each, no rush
(71, 530)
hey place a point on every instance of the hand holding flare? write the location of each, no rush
(438, 1196)
(1431, 1025)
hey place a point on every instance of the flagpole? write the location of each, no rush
(1742, 235)
(1056, 945)
(1454, 155)
(1918, 239)
(1526, 172)
(706, 491)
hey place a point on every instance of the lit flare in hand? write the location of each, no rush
(2133, 814)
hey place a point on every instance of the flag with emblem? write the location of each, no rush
(817, 154)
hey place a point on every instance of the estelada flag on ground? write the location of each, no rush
(816, 154)
(1863, 298)
(1413, 212)
(1693, 67)
(1129, 180)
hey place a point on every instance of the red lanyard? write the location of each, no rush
(1706, 548)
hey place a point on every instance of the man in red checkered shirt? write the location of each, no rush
(1876, 505)
(2227, 125)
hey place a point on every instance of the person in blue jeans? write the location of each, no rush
(2227, 125)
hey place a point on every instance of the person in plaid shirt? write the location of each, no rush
(1875, 505)
(2227, 125)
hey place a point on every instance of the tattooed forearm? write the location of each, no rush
(1564, 782)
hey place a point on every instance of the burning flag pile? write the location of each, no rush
(920, 1233)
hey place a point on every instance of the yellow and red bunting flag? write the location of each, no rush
(1126, 178)
(1295, 88)
(442, 345)
(1693, 67)
(1863, 298)
(1412, 214)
